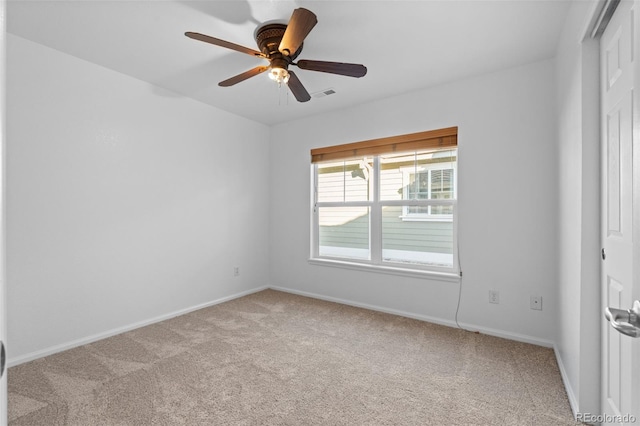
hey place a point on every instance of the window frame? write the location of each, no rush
(375, 205)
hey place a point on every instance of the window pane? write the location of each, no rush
(416, 242)
(442, 189)
(442, 184)
(418, 189)
(395, 182)
(344, 232)
(417, 175)
(345, 180)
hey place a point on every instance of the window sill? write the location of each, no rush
(393, 270)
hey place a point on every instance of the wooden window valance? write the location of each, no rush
(432, 139)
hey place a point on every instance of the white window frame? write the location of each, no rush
(375, 262)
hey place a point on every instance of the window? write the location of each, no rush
(387, 203)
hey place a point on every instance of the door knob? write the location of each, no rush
(626, 322)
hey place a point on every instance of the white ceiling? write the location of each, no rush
(406, 45)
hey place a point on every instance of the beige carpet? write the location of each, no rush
(273, 358)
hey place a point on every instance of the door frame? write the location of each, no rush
(3, 310)
(584, 398)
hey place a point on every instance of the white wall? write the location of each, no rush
(507, 201)
(578, 332)
(124, 204)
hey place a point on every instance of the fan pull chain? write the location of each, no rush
(286, 94)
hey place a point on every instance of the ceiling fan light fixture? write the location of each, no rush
(279, 75)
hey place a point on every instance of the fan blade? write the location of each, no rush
(351, 70)
(300, 25)
(224, 43)
(297, 88)
(242, 77)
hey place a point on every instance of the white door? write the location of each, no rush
(619, 120)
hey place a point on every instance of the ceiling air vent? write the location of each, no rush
(323, 93)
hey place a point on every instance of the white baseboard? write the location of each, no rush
(469, 327)
(366, 306)
(11, 362)
(508, 335)
(573, 402)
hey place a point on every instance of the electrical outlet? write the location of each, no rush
(536, 303)
(236, 271)
(494, 296)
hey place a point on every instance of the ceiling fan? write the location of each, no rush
(281, 44)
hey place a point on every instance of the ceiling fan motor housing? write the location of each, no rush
(268, 38)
